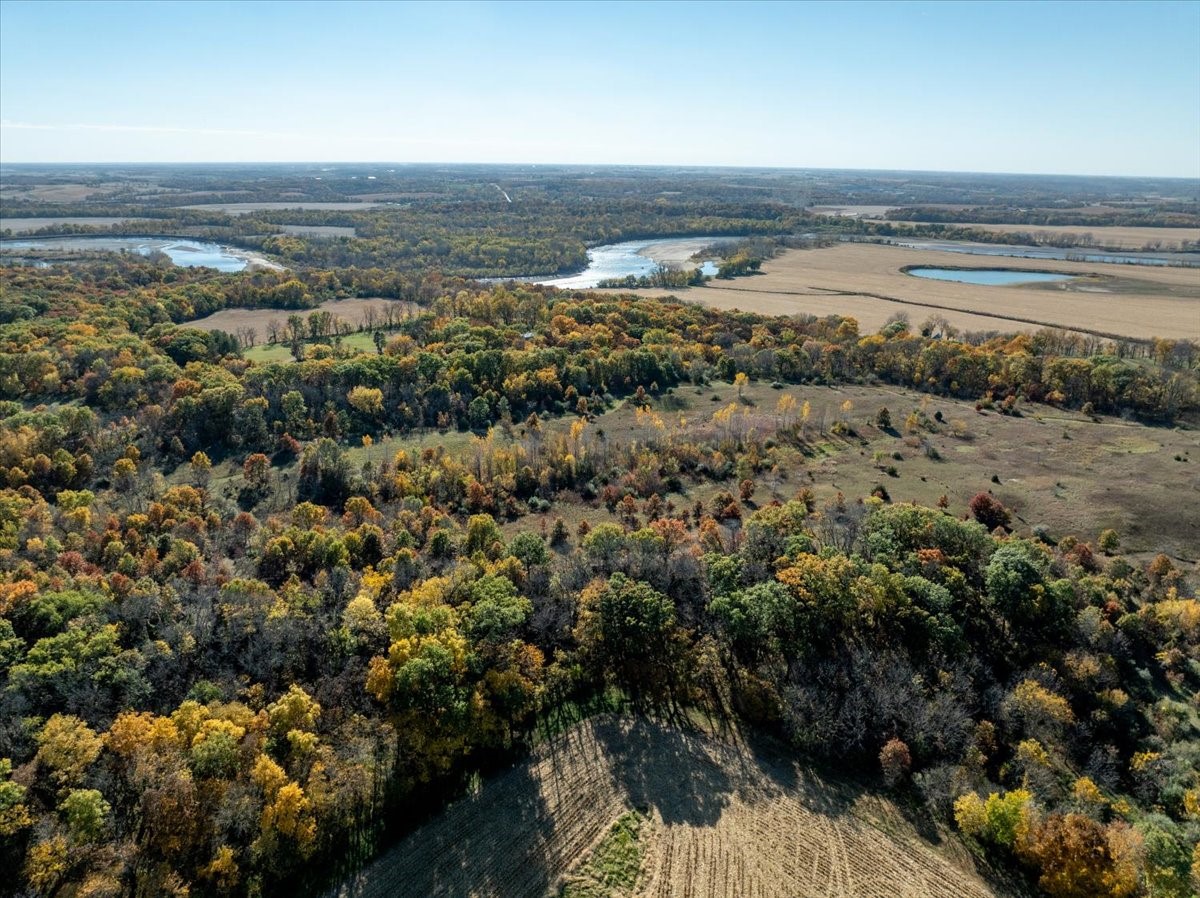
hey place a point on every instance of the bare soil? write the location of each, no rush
(727, 818)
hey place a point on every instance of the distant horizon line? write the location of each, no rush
(680, 165)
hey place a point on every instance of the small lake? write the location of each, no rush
(988, 277)
(619, 260)
(186, 253)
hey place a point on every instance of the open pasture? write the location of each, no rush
(1055, 469)
(353, 311)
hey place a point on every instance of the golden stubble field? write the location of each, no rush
(725, 819)
(865, 281)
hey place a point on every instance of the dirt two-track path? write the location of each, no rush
(724, 821)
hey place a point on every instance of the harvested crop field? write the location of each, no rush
(866, 282)
(61, 193)
(721, 819)
(247, 208)
(355, 311)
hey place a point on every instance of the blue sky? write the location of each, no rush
(1088, 88)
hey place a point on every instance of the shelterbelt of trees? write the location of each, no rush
(231, 688)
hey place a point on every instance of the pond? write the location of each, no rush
(638, 258)
(186, 253)
(988, 277)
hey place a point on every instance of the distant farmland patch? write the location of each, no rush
(247, 208)
(60, 193)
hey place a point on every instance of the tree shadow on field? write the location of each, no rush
(919, 817)
(666, 769)
(490, 843)
(820, 786)
(690, 776)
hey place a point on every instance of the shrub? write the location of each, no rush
(895, 761)
(989, 511)
(999, 820)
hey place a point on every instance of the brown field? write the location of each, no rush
(1115, 236)
(865, 281)
(231, 320)
(400, 195)
(725, 819)
(247, 208)
(25, 225)
(62, 193)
